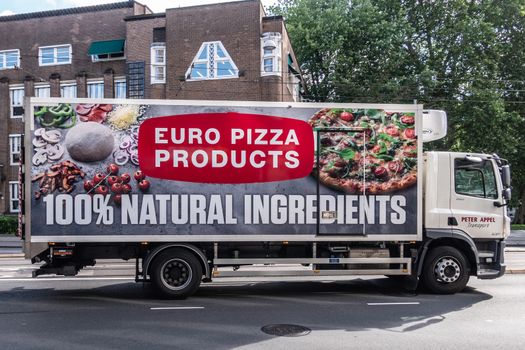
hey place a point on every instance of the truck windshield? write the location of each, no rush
(475, 178)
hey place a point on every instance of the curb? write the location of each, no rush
(11, 255)
(515, 272)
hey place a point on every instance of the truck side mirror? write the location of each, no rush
(505, 175)
(507, 194)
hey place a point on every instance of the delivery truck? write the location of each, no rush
(193, 191)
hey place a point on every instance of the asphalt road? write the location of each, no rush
(363, 313)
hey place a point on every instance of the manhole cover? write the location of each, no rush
(286, 330)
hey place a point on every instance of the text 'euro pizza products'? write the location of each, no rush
(226, 148)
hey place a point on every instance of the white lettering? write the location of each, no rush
(399, 217)
(195, 156)
(208, 136)
(276, 134)
(237, 134)
(159, 136)
(161, 156)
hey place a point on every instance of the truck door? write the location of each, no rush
(335, 215)
(474, 194)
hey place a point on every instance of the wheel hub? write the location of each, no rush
(447, 270)
(176, 274)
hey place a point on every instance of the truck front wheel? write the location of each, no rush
(446, 270)
(176, 273)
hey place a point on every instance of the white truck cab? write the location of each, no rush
(465, 195)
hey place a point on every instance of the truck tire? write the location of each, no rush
(446, 270)
(176, 273)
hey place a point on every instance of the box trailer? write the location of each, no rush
(198, 190)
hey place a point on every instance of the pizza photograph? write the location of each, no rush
(374, 152)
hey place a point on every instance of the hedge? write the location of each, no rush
(8, 224)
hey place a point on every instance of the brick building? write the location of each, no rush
(227, 51)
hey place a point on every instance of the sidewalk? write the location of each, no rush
(516, 239)
(10, 241)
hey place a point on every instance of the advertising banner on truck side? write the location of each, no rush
(132, 169)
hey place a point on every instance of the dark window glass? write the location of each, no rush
(475, 178)
(159, 35)
(136, 79)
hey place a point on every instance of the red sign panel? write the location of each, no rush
(226, 148)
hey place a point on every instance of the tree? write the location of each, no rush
(316, 28)
(463, 56)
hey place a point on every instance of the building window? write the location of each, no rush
(136, 79)
(271, 54)
(9, 59)
(42, 91)
(158, 63)
(120, 88)
(53, 55)
(14, 202)
(68, 90)
(95, 89)
(17, 102)
(212, 62)
(15, 144)
(108, 57)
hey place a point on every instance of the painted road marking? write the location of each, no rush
(400, 303)
(177, 308)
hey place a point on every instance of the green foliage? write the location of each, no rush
(8, 224)
(462, 56)
(317, 28)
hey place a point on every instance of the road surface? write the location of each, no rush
(105, 309)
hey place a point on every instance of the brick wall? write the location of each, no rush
(138, 43)
(79, 30)
(27, 35)
(237, 26)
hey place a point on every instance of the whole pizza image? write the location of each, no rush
(376, 153)
(192, 189)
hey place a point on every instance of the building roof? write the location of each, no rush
(68, 11)
(145, 16)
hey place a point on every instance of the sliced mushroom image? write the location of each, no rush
(47, 146)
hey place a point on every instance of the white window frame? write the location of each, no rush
(215, 60)
(274, 56)
(42, 87)
(55, 55)
(3, 59)
(119, 80)
(15, 148)
(68, 84)
(158, 64)
(13, 196)
(13, 88)
(95, 82)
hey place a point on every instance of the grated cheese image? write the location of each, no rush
(123, 116)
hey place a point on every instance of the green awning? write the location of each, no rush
(106, 47)
(290, 60)
(290, 65)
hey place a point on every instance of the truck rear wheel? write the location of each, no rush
(446, 270)
(176, 273)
